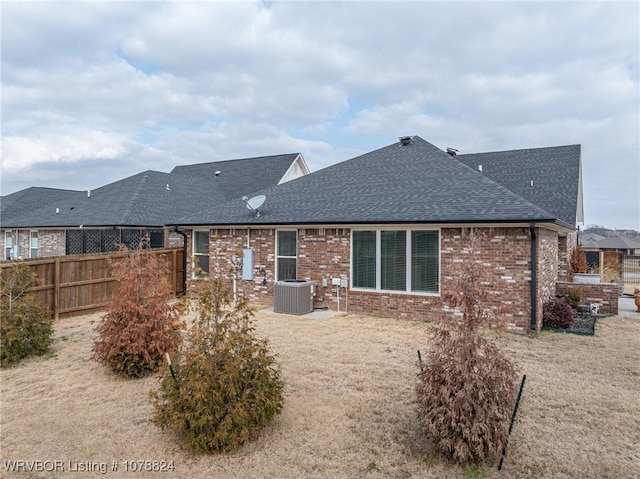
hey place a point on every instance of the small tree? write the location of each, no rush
(25, 328)
(467, 388)
(226, 386)
(141, 324)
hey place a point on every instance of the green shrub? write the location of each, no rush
(140, 324)
(227, 386)
(557, 313)
(25, 329)
(574, 296)
(466, 390)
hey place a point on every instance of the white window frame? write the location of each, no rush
(193, 252)
(378, 288)
(277, 256)
(37, 247)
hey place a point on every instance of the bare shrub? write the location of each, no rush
(226, 386)
(578, 261)
(140, 324)
(558, 313)
(25, 329)
(574, 296)
(467, 388)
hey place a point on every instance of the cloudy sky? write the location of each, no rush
(93, 92)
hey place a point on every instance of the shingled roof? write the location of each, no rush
(412, 183)
(149, 199)
(547, 177)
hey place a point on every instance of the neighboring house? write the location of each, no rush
(39, 222)
(391, 226)
(621, 244)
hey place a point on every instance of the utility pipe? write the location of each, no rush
(184, 259)
(534, 277)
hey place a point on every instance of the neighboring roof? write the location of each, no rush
(616, 242)
(150, 198)
(30, 199)
(414, 183)
(589, 238)
(554, 171)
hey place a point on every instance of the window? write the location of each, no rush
(286, 256)
(396, 260)
(8, 244)
(33, 244)
(201, 250)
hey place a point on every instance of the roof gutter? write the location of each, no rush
(184, 260)
(534, 277)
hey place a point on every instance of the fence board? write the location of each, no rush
(74, 285)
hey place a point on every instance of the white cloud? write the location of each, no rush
(151, 86)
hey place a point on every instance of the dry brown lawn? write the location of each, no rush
(348, 411)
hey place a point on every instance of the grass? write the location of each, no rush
(349, 409)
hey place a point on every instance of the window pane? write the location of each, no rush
(286, 268)
(202, 261)
(201, 242)
(364, 259)
(34, 239)
(424, 261)
(393, 265)
(34, 252)
(287, 243)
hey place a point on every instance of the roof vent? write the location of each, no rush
(88, 193)
(167, 187)
(405, 140)
(452, 151)
(217, 172)
(479, 167)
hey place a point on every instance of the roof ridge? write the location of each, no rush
(217, 162)
(136, 194)
(518, 149)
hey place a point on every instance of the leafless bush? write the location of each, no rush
(467, 389)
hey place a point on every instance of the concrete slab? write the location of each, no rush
(627, 307)
(315, 314)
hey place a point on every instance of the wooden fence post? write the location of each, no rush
(56, 289)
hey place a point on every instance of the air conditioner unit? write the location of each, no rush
(293, 296)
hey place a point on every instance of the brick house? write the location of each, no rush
(42, 222)
(392, 224)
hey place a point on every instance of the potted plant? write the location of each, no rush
(636, 297)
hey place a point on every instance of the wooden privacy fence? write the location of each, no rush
(75, 285)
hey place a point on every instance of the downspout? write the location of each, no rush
(184, 259)
(534, 277)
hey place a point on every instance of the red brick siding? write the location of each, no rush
(325, 253)
(604, 294)
(548, 244)
(50, 242)
(566, 244)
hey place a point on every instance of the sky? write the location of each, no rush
(93, 92)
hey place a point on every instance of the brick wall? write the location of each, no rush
(50, 242)
(604, 294)
(563, 258)
(325, 253)
(548, 248)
